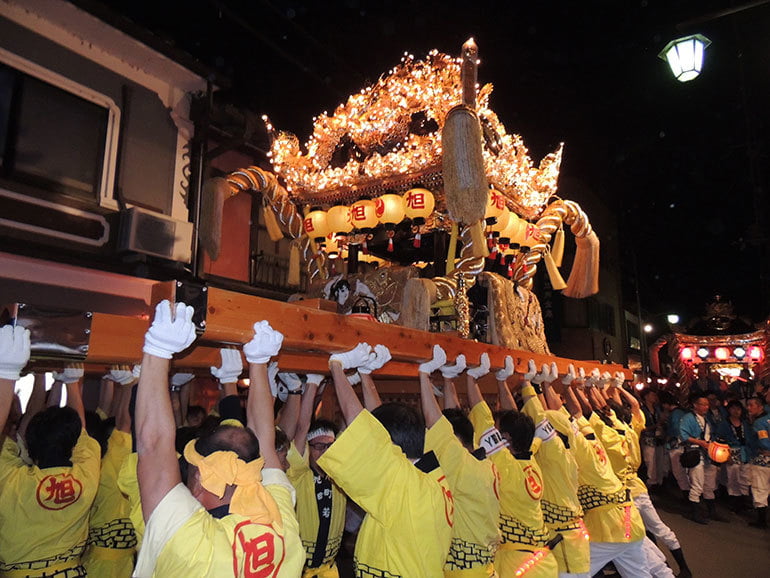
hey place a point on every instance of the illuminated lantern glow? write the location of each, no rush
(718, 452)
(739, 352)
(702, 352)
(686, 354)
(511, 228)
(685, 56)
(721, 353)
(338, 220)
(332, 246)
(495, 206)
(527, 235)
(363, 215)
(315, 224)
(755, 352)
(390, 211)
(418, 205)
(495, 230)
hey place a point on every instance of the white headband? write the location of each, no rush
(320, 431)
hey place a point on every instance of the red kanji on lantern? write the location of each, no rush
(415, 200)
(309, 228)
(358, 212)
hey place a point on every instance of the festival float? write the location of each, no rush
(415, 218)
(718, 340)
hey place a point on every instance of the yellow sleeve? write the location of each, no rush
(638, 422)
(450, 452)
(298, 464)
(365, 463)
(484, 431)
(10, 459)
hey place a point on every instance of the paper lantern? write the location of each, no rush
(755, 352)
(390, 211)
(511, 228)
(495, 206)
(527, 235)
(418, 205)
(686, 354)
(315, 224)
(332, 246)
(719, 452)
(502, 221)
(338, 220)
(363, 214)
(721, 353)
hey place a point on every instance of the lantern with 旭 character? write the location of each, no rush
(363, 215)
(501, 222)
(390, 211)
(338, 219)
(719, 453)
(495, 206)
(418, 205)
(315, 224)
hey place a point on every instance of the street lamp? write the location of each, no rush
(672, 318)
(648, 328)
(685, 56)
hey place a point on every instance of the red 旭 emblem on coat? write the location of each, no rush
(58, 491)
(258, 551)
(533, 483)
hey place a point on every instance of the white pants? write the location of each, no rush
(680, 474)
(628, 557)
(656, 460)
(738, 479)
(760, 486)
(654, 524)
(703, 480)
(656, 561)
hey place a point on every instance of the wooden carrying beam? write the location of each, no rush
(310, 335)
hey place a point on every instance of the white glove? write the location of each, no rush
(179, 379)
(14, 351)
(582, 378)
(232, 366)
(482, 369)
(595, 377)
(605, 379)
(542, 376)
(439, 359)
(570, 377)
(381, 357)
(507, 371)
(315, 378)
(619, 379)
(359, 356)
(452, 371)
(121, 376)
(167, 336)
(71, 374)
(276, 388)
(265, 344)
(292, 381)
(553, 374)
(531, 371)
(137, 370)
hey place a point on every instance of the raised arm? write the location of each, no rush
(573, 405)
(259, 408)
(431, 410)
(157, 468)
(449, 373)
(553, 401)
(503, 391)
(306, 409)
(473, 374)
(106, 403)
(72, 378)
(350, 405)
(14, 355)
(35, 404)
(371, 396)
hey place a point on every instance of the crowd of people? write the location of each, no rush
(542, 482)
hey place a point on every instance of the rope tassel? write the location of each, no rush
(584, 278)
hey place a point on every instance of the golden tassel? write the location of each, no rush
(293, 278)
(478, 240)
(557, 281)
(558, 246)
(271, 223)
(584, 277)
(452, 252)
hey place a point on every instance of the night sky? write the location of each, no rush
(685, 166)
